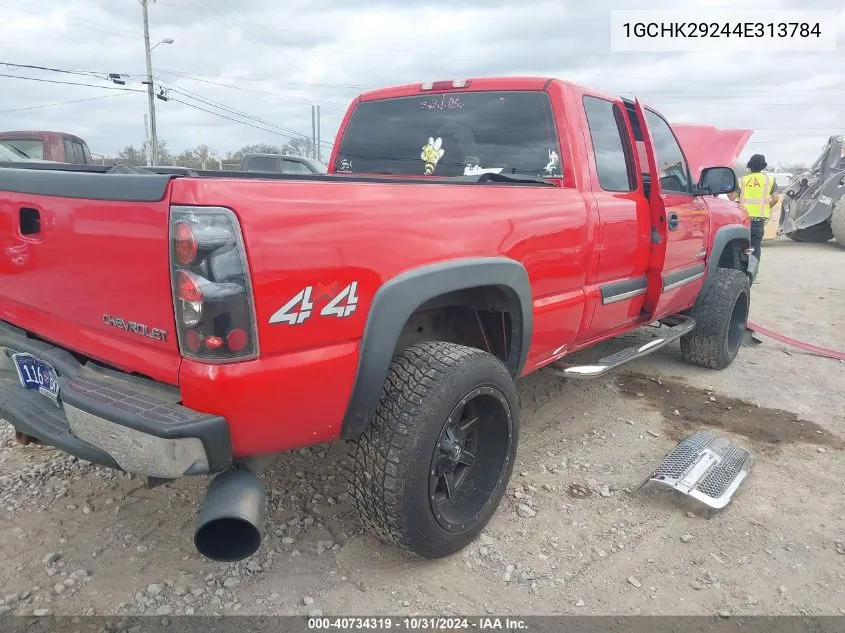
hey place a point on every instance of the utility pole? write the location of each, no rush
(313, 131)
(153, 154)
(319, 140)
(147, 138)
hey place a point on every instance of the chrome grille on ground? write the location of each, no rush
(706, 467)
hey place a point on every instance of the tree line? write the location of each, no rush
(203, 157)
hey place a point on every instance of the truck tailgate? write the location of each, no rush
(84, 264)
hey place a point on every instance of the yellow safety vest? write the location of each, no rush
(755, 193)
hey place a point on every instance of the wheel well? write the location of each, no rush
(732, 256)
(480, 317)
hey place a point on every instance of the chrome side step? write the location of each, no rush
(706, 467)
(678, 326)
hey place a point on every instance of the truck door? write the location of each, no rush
(624, 221)
(682, 220)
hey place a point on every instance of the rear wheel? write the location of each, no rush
(837, 221)
(818, 233)
(720, 314)
(432, 467)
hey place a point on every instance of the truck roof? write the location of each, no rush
(474, 83)
(39, 134)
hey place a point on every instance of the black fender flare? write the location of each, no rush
(724, 235)
(399, 297)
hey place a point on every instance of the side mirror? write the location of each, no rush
(716, 180)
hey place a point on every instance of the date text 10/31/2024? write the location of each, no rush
(421, 623)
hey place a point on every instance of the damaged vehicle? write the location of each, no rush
(178, 323)
(813, 207)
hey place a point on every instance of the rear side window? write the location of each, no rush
(263, 163)
(295, 167)
(78, 153)
(611, 144)
(32, 147)
(453, 134)
(674, 172)
(69, 157)
(74, 152)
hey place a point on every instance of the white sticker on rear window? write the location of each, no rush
(553, 164)
(443, 103)
(476, 170)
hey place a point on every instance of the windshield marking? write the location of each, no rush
(443, 103)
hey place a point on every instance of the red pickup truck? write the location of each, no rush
(177, 322)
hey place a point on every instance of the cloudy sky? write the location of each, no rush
(267, 61)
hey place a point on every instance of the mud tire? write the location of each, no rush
(390, 467)
(720, 314)
(837, 221)
(818, 233)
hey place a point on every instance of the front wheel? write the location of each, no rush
(818, 233)
(431, 469)
(837, 221)
(720, 314)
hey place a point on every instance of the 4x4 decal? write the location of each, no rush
(341, 304)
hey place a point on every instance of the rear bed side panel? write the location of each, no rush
(326, 235)
(95, 264)
(279, 402)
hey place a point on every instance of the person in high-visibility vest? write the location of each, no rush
(758, 193)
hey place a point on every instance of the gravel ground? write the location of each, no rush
(568, 538)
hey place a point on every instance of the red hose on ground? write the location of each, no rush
(814, 349)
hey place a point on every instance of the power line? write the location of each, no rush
(304, 84)
(328, 104)
(60, 103)
(71, 83)
(216, 104)
(84, 73)
(196, 107)
(197, 77)
(186, 93)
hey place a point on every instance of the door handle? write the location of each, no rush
(673, 221)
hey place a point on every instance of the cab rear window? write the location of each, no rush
(453, 134)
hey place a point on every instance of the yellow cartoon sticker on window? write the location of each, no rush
(431, 154)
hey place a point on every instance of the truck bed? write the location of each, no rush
(86, 253)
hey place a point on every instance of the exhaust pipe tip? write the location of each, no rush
(231, 518)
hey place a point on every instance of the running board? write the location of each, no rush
(704, 466)
(677, 326)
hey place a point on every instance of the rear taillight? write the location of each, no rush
(185, 247)
(212, 295)
(189, 296)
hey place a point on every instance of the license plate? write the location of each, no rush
(36, 375)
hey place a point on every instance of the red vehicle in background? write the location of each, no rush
(60, 147)
(171, 321)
